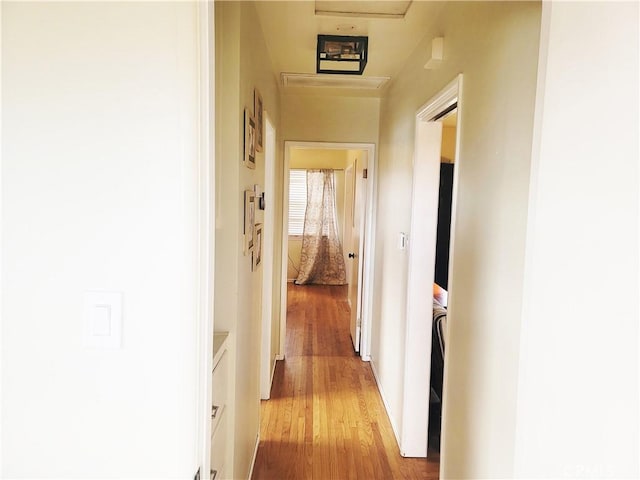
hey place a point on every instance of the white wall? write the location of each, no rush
(99, 191)
(578, 394)
(243, 64)
(494, 45)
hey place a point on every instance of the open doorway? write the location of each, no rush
(448, 118)
(352, 167)
(433, 141)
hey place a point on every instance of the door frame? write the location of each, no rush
(368, 256)
(267, 361)
(206, 233)
(417, 362)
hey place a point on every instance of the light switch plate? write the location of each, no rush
(102, 319)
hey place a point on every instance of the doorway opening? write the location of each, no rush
(441, 275)
(353, 172)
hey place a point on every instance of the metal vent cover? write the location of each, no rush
(332, 81)
(364, 8)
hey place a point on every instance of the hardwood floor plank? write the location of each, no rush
(325, 419)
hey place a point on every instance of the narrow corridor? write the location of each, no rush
(325, 419)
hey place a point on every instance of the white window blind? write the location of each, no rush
(297, 200)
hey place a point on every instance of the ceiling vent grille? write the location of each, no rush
(364, 8)
(332, 81)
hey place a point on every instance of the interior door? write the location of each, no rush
(351, 265)
(347, 227)
(357, 246)
(421, 266)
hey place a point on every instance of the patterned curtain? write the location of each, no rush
(321, 259)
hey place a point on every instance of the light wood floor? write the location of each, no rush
(325, 419)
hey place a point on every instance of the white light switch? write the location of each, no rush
(102, 319)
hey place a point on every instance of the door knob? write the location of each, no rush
(352, 255)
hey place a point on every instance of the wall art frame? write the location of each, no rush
(249, 157)
(256, 254)
(249, 220)
(258, 111)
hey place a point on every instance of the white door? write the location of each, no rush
(351, 264)
(349, 200)
(355, 189)
(422, 248)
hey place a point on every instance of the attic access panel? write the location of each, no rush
(341, 54)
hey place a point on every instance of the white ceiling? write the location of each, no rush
(291, 29)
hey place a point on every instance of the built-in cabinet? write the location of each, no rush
(219, 415)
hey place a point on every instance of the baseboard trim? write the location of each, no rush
(385, 403)
(255, 455)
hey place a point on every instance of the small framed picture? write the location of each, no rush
(258, 112)
(249, 158)
(249, 220)
(256, 254)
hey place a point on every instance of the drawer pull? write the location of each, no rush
(214, 411)
(214, 474)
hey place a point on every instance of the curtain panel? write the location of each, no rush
(321, 259)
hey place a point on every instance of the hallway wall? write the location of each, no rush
(242, 65)
(100, 145)
(312, 118)
(578, 408)
(495, 45)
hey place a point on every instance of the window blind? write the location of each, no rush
(297, 200)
